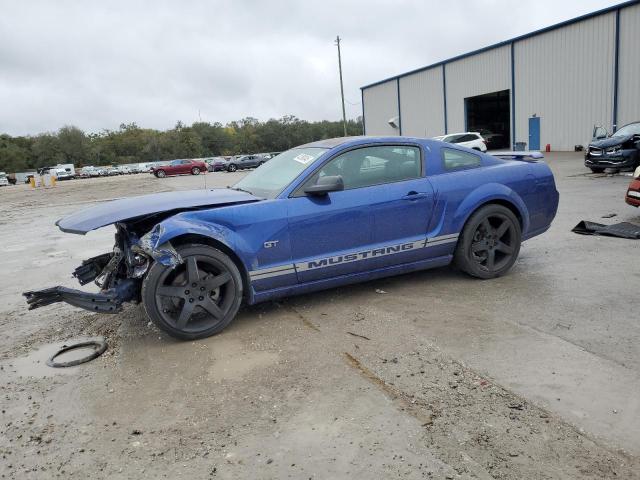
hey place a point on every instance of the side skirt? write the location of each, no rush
(314, 286)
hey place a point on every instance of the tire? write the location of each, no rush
(232, 168)
(490, 242)
(596, 170)
(186, 312)
(161, 174)
(195, 171)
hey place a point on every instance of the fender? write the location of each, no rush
(487, 193)
(157, 240)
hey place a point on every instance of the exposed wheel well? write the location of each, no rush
(195, 238)
(504, 203)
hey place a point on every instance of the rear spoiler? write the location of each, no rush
(526, 156)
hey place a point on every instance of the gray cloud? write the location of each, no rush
(96, 65)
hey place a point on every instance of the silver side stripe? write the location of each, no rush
(352, 257)
(273, 271)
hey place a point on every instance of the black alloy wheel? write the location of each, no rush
(196, 299)
(490, 242)
(232, 168)
(195, 171)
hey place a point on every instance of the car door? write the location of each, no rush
(173, 167)
(380, 219)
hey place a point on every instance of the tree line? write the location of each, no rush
(132, 144)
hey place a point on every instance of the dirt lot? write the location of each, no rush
(534, 375)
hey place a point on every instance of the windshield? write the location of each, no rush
(272, 177)
(631, 129)
(453, 138)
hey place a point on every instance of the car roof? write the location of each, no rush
(362, 140)
(462, 133)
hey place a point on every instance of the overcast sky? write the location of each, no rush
(99, 64)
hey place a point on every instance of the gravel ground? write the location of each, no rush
(534, 375)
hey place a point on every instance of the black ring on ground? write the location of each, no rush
(100, 348)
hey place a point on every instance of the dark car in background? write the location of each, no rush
(216, 164)
(180, 167)
(245, 161)
(620, 151)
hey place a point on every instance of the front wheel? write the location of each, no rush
(198, 298)
(490, 242)
(232, 168)
(161, 174)
(195, 171)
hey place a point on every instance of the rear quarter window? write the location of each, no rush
(456, 160)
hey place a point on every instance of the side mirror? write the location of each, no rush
(330, 183)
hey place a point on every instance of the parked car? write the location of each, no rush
(244, 161)
(217, 164)
(471, 140)
(61, 174)
(89, 171)
(180, 167)
(620, 151)
(4, 180)
(633, 192)
(317, 216)
(124, 169)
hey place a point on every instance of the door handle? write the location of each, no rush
(413, 195)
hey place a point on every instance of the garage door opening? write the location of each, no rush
(489, 115)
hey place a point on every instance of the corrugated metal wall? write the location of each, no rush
(486, 72)
(565, 77)
(380, 104)
(422, 103)
(629, 66)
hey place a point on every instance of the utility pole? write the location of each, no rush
(344, 115)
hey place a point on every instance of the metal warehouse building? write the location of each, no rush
(547, 87)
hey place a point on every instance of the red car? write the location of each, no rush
(633, 193)
(180, 167)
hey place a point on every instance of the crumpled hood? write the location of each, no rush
(123, 209)
(610, 142)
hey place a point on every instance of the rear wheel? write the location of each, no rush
(161, 174)
(232, 168)
(490, 242)
(198, 298)
(195, 171)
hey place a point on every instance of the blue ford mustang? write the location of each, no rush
(318, 216)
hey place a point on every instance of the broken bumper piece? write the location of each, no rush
(106, 301)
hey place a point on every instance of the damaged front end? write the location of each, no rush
(119, 273)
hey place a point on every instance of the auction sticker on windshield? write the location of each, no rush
(304, 158)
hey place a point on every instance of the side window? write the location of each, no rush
(455, 159)
(369, 166)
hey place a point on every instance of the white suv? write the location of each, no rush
(466, 139)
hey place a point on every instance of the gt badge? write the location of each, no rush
(271, 243)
